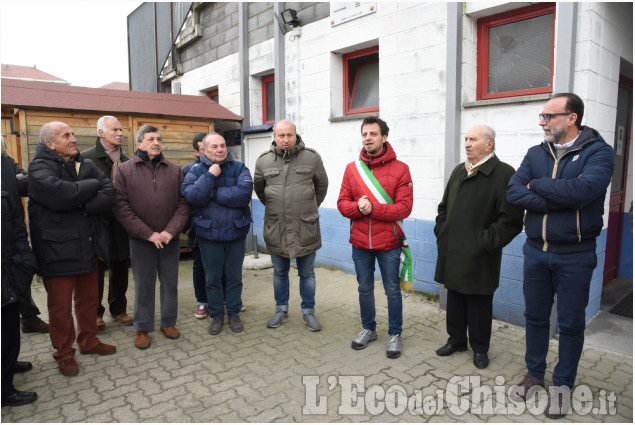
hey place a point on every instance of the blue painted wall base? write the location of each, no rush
(509, 302)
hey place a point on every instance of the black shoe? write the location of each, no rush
(216, 326)
(481, 360)
(20, 367)
(448, 349)
(18, 398)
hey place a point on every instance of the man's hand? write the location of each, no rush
(165, 237)
(215, 169)
(364, 205)
(155, 238)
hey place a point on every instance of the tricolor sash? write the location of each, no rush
(376, 193)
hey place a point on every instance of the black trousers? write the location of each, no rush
(469, 314)
(117, 286)
(28, 309)
(10, 345)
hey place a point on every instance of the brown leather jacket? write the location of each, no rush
(150, 200)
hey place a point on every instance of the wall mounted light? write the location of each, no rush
(290, 17)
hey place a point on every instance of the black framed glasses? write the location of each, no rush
(547, 117)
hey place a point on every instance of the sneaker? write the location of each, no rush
(525, 388)
(364, 337)
(235, 324)
(201, 312)
(559, 402)
(311, 321)
(216, 326)
(394, 346)
(278, 318)
(243, 308)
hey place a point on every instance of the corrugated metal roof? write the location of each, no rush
(29, 73)
(53, 96)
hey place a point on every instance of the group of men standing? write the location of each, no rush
(561, 185)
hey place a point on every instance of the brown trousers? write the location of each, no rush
(62, 291)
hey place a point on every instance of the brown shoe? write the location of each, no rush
(35, 324)
(525, 388)
(141, 340)
(101, 349)
(68, 367)
(100, 323)
(170, 332)
(123, 318)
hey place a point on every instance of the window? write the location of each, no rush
(213, 94)
(361, 81)
(515, 52)
(268, 99)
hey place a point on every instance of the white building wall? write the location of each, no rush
(411, 39)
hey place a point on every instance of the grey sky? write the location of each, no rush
(83, 42)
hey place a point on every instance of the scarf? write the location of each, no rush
(115, 156)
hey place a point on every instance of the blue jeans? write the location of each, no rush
(364, 260)
(281, 280)
(198, 276)
(569, 277)
(227, 257)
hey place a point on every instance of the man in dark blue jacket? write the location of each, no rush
(219, 191)
(562, 184)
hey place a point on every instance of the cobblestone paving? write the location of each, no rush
(290, 374)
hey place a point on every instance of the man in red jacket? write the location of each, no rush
(376, 195)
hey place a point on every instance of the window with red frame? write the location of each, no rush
(268, 99)
(361, 81)
(213, 94)
(515, 52)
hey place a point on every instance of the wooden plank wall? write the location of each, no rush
(177, 132)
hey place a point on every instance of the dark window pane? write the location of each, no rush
(520, 55)
(363, 81)
(271, 106)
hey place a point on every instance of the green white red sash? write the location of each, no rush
(376, 193)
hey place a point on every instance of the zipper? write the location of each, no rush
(554, 173)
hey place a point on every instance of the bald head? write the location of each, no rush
(284, 133)
(59, 137)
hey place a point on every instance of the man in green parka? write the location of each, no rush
(473, 224)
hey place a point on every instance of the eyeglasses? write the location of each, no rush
(547, 117)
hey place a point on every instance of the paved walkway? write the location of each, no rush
(290, 374)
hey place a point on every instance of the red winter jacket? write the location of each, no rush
(377, 230)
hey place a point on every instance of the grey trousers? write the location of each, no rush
(146, 261)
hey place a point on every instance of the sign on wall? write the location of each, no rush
(344, 12)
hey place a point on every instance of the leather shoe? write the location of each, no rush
(448, 349)
(123, 318)
(481, 360)
(68, 367)
(20, 367)
(35, 324)
(101, 349)
(19, 398)
(100, 323)
(170, 332)
(141, 340)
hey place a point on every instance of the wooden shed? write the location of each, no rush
(27, 105)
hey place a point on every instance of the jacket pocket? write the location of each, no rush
(242, 222)
(61, 245)
(271, 232)
(309, 229)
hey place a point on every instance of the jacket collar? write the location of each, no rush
(291, 152)
(205, 160)
(387, 154)
(489, 165)
(101, 153)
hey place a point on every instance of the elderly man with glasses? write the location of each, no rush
(562, 184)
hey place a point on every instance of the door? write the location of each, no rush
(618, 186)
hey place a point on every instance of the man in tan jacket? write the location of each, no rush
(291, 182)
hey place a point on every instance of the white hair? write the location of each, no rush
(101, 123)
